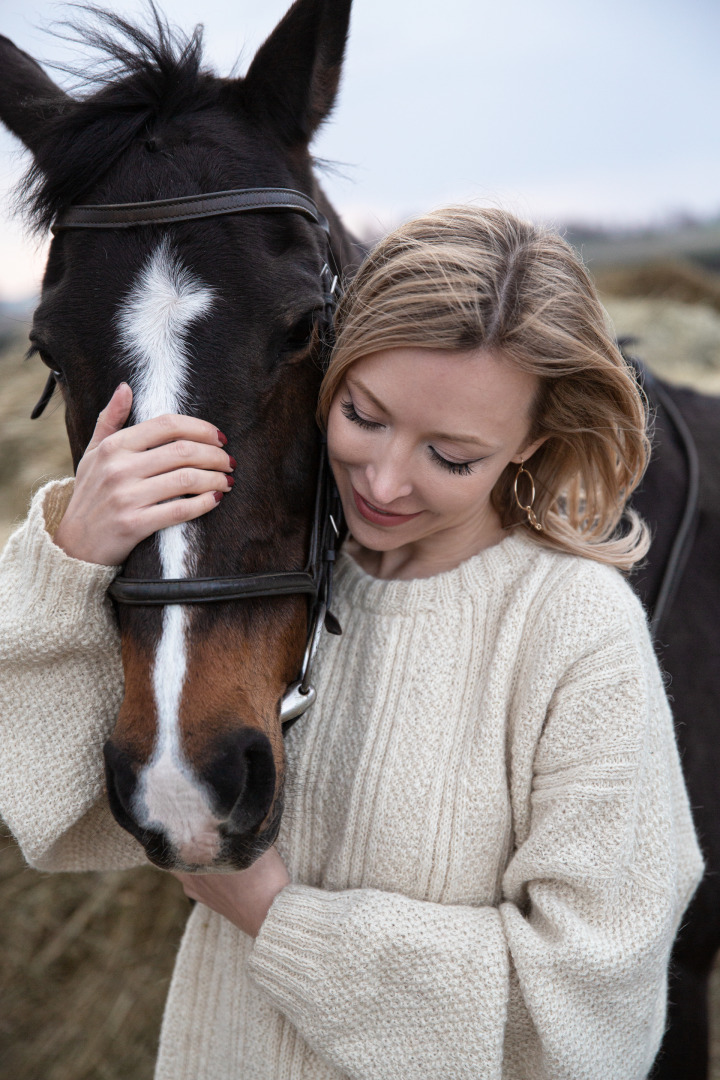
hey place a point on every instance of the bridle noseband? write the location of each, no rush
(316, 579)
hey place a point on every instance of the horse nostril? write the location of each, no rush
(121, 780)
(242, 778)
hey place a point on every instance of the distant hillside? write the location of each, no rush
(694, 242)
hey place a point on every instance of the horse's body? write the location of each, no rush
(688, 643)
(228, 305)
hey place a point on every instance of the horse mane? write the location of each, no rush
(144, 74)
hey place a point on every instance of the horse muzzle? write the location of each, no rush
(218, 816)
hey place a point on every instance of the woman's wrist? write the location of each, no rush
(70, 540)
(243, 898)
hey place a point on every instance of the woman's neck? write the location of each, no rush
(434, 554)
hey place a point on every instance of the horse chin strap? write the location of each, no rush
(316, 579)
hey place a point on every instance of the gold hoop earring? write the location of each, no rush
(532, 520)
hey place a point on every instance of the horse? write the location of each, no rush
(249, 291)
(211, 303)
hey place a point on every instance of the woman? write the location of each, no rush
(489, 847)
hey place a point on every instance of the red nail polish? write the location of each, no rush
(218, 495)
(233, 462)
(222, 438)
(230, 480)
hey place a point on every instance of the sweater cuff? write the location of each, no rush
(55, 579)
(290, 953)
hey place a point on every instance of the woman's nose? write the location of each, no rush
(389, 479)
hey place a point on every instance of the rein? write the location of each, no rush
(316, 579)
(685, 535)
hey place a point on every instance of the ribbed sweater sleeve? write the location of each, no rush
(565, 978)
(61, 684)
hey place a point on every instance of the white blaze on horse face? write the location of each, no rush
(153, 323)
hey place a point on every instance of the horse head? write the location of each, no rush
(213, 317)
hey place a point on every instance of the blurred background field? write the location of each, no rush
(86, 963)
(87, 958)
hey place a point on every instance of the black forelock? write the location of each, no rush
(143, 74)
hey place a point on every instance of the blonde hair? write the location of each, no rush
(466, 278)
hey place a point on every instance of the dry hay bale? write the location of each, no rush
(86, 965)
(31, 451)
(662, 280)
(678, 341)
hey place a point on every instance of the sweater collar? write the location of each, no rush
(490, 571)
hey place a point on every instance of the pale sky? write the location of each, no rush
(604, 111)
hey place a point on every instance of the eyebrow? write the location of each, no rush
(435, 434)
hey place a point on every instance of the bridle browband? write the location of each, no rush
(315, 580)
(188, 208)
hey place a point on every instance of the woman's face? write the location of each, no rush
(417, 439)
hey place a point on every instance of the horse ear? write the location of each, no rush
(294, 77)
(28, 97)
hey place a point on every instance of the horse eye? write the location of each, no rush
(300, 334)
(47, 359)
(53, 365)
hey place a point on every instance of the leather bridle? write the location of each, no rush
(316, 579)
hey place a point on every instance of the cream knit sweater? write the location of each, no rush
(487, 829)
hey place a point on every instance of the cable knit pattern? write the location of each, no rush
(486, 827)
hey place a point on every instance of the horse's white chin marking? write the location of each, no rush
(176, 801)
(153, 323)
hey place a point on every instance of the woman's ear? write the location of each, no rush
(529, 450)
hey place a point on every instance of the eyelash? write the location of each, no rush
(349, 411)
(458, 468)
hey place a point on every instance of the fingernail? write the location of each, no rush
(218, 495)
(233, 462)
(222, 438)
(230, 480)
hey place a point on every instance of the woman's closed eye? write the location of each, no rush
(351, 413)
(459, 468)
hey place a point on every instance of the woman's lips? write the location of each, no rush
(380, 517)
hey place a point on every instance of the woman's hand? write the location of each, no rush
(244, 897)
(127, 476)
